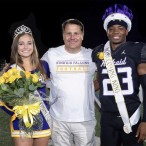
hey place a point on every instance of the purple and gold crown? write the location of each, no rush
(118, 12)
(22, 29)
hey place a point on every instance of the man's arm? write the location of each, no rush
(141, 132)
(96, 81)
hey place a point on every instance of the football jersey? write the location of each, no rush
(126, 58)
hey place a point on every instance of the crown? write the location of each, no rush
(22, 29)
(118, 12)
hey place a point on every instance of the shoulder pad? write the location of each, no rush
(98, 48)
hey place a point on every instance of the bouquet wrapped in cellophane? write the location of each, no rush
(17, 91)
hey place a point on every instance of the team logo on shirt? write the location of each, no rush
(123, 52)
(72, 66)
(116, 62)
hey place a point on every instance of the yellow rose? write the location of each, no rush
(2, 80)
(6, 75)
(100, 55)
(27, 74)
(10, 72)
(35, 78)
(14, 70)
(11, 79)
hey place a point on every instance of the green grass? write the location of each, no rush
(97, 114)
(5, 136)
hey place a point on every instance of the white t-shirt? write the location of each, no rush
(71, 88)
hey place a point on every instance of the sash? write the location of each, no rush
(117, 89)
(43, 107)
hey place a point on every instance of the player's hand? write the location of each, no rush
(141, 132)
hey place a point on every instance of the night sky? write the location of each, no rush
(49, 15)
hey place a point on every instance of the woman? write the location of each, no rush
(24, 56)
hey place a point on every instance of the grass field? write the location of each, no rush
(5, 137)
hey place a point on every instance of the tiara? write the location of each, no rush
(22, 29)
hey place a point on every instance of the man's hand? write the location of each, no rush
(141, 132)
(7, 65)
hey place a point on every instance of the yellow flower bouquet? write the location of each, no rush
(17, 91)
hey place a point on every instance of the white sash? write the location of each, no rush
(118, 93)
(43, 108)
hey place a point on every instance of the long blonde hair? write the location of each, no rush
(15, 58)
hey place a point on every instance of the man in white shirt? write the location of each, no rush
(71, 90)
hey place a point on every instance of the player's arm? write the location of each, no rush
(141, 132)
